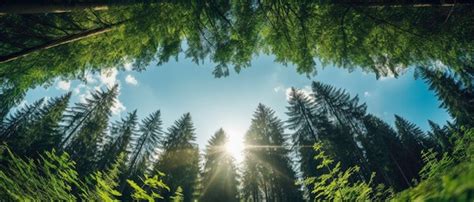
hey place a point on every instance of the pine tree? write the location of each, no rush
(347, 114)
(150, 131)
(179, 159)
(35, 128)
(456, 98)
(18, 120)
(219, 178)
(118, 142)
(86, 126)
(9, 96)
(441, 136)
(144, 147)
(307, 127)
(268, 172)
(383, 148)
(45, 131)
(412, 143)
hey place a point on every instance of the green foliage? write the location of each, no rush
(52, 177)
(105, 183)
(178, 195)
(455, 96)
(448, 178)
(155, 184)
(336, 185)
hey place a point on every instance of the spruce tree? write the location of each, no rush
(219, 177)
(412, 139)
(267, 161)
(86, 126)
(383, 147)
(441, 136)
(118, 141)
(18, 120)
(179, 158)
(44, 130)
(147, 141)
(35, 128)
(307, 127)
(144, 146)
(455, 97)
(347, 115)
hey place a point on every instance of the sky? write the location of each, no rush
(182, 86)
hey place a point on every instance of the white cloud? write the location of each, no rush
(108, 77)
(118, 107)
(367, 94)
(128, 66)
(63, 85)
(131, 80)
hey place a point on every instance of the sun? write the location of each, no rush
(235, 147)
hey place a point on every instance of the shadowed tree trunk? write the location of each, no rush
(58, 42)
(21, 7)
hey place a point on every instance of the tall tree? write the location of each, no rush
(35, 128)
(19, 119)
(268, 172)
(347, 114)
(441, 135)
(145, 145)
(44, 131)
(412, 139)
(179, 158)
(85, 128)
(457, 98)
(219, 178)
(383, 149)
(307, 127)
(118, 141)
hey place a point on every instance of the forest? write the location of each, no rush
(55, 151)
(330, 148)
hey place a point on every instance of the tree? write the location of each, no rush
(412, 139)
(44, 130)
(35, 128)
(219, 176)
(118, 142)
(347, 114)
(179, 158)
(441, 136)
(456, 98)
(308, 126)
(19, 119)
(144, 147)
(268, 172)
(85, 127)
(383, 148)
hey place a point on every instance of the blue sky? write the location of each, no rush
(181, 86)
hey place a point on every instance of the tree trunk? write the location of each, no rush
(57, 42)
(39, 7)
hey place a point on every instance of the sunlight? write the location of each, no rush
(235, 145)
